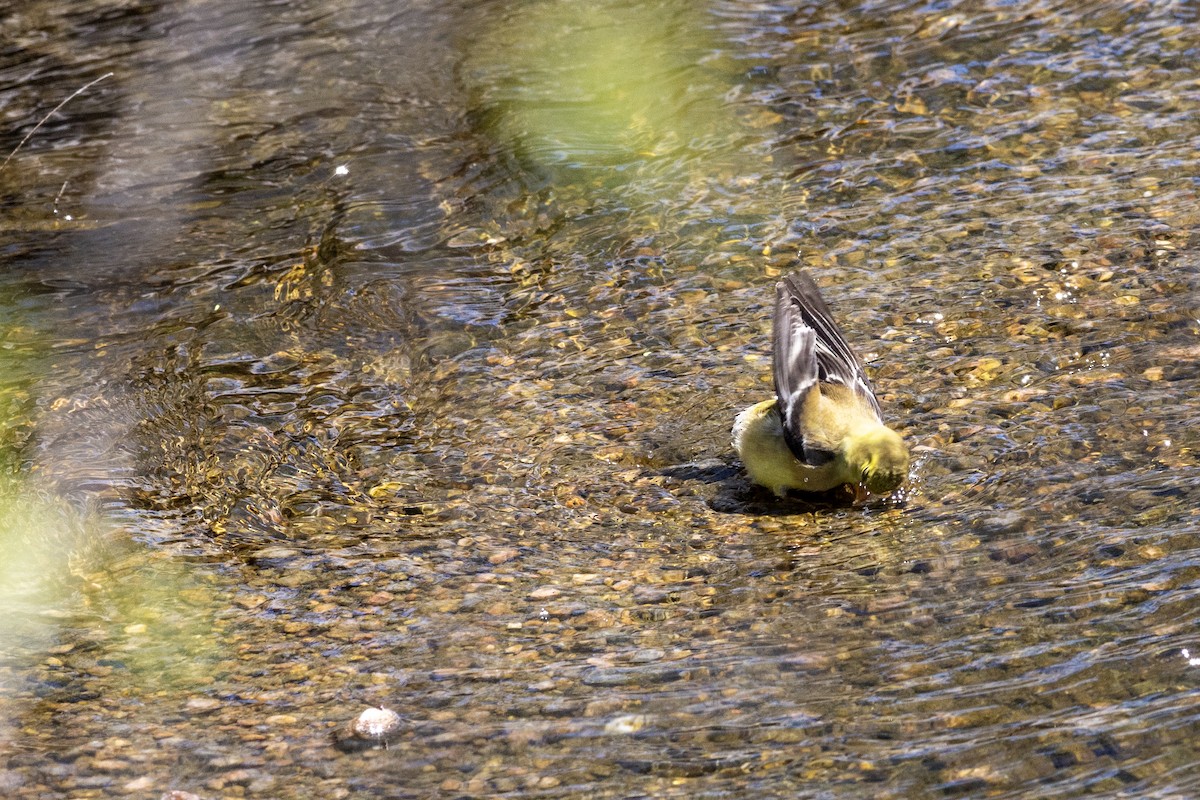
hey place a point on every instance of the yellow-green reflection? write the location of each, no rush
(599, 84)
(71, 579)
(35, 532)
(37, 539)
(160, 619)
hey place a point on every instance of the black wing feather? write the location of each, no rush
(810, 349)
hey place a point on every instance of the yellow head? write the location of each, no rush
(879, 458)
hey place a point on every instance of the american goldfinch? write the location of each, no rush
(823, 428)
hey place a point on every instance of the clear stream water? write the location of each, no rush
(370, 353)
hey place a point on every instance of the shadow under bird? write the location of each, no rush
(823, 428)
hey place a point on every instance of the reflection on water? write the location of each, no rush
(388, 356)
(611, 89)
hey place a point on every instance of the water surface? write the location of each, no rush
(373, 354)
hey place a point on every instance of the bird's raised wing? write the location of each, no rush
(809, 349)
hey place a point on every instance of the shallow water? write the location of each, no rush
(446, 429)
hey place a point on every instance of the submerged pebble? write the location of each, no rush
(375, 727)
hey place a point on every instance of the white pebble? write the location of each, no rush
(376, 723)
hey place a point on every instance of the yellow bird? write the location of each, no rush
(823, 428)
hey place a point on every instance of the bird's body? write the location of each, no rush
(823, 428)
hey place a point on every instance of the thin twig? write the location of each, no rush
(74, 94)
(58, 196)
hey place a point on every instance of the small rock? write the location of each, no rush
(375, 727)
(138, 785)
(503, 555)
(261, 782)
(10, 780)
(274, 554)
(252, 601)
(376, 723)
(626, 724)
(631, 676)
(1004, 523)
(202, 705)
(1014, 552)
(651, 594)
(561, 708)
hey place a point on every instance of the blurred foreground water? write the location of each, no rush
(385, 354)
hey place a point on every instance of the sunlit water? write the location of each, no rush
(385, 354)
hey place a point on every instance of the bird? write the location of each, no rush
(824, 428)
